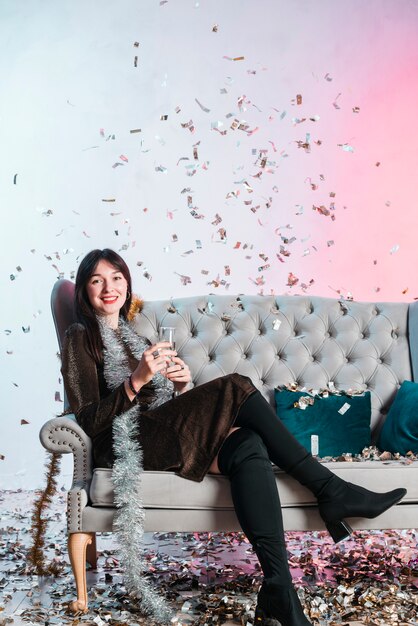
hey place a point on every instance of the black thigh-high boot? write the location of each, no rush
(244, 459)
(337, 498)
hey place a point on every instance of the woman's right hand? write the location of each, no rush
(154, 359)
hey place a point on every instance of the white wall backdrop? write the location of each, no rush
(217, 145)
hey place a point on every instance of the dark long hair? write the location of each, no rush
(84, 312)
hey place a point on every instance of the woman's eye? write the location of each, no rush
(95, 281)
(118, 277)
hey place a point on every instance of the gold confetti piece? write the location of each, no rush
(227, 270)
(299, 99)
(404, 291)
(205, 109)
(233, 58)
(356, 109)
(85, 234)
(23, 422)
(58, 396)
(2, 457)
(292, 280)
(163, 118)
(135, 130)
(189, 125)
(26, 329)
(108, 199)
(215, 28)
(135, 61)
(237, 245)
(136, 44)
(217, 220)
(15, 179)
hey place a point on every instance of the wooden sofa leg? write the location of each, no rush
(91, 552)
(77, 548)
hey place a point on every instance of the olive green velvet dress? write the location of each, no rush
(182, 435)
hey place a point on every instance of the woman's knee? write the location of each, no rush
(240, 447)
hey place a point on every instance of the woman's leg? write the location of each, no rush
(244, 459)
(337, 499)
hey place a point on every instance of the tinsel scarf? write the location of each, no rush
(128, 467)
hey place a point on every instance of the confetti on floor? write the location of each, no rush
(211, 578)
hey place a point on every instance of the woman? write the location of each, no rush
(107, 371)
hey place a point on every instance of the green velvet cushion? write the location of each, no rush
(400, 430)
(338, 433)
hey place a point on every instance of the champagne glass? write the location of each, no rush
(166, 333)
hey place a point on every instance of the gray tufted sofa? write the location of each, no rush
(274, 340)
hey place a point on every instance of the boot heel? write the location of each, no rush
(339, 530)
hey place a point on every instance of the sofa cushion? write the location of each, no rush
(400, 430)
(167, 490)
(341, 422)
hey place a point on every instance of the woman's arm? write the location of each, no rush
(94, 414)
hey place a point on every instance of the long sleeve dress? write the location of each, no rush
(182, 435)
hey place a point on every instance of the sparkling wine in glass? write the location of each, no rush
(167, 333)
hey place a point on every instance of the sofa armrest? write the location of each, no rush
(64, 435)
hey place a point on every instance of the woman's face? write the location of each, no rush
(106, 290)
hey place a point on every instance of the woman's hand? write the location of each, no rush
(155, 359)
(178, 372)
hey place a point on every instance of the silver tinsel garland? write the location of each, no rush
(128, 467)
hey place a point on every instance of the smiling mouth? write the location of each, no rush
(109, 300)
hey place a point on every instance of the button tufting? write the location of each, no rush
(375, 312)
(379, 361)
(327, 335)
(244, 356)
(346, 359)
(394, 335)
(361, 335)
(311, 358)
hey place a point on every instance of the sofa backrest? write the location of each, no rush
(276, 340)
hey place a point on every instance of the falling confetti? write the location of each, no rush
(205, 109)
